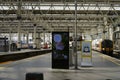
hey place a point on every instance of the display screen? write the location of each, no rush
(60, 45)
(86, 48)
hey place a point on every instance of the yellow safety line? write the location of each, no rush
(1, 68)
(5, 62)
(105, 57)
(114, 62)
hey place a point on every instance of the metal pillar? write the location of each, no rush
(111, 32)
(44, 36)
(91, 37)
(27, 37)
(34, 34)
(108, 36)
(105, 23)
(24, 35)
(49, 36)
(75, 45)
(19, 32)
(19, 18)
(38, 41)
(10, 40)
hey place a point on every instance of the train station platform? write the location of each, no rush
(25, 53)
(21, 51)
(104, 68)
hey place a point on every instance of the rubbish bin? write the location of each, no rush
(34, 76)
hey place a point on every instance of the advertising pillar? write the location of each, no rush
(86, 54)
(60, 50)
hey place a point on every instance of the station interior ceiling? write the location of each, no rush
(58, 15)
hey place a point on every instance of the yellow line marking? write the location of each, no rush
(5, 62)
(115, 62)
(110, 59)
(1, 68)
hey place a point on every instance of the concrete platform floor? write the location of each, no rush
(104, 68)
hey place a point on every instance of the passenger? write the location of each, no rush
(34, 46)
(45, 46)
(19, 46)
(13, 47)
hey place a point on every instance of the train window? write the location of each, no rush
(106, 42)
(97, 45)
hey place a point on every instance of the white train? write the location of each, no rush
(96, 44)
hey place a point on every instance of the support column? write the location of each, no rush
(27, 35)
(91, 37)
(108, 35)
(38, 41)
(19, 19)
(44, 36)
(10, 40)
(111, 32)
(34, 39)
(19, 32)
(24, 35)
(75, 46)
(104, 28)
(34, 34)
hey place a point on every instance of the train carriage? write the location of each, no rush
(105, 46)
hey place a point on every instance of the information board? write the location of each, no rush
(86, 54)
(60, 50)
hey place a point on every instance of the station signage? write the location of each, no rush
(60, 50)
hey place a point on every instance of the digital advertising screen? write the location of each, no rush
(86, 53)
(60, 47)
(86, 48)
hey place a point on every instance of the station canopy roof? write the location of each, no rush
(58, 15)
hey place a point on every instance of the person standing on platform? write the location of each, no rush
(34, 46)
(19, 46)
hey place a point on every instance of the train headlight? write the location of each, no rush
(103, 48)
